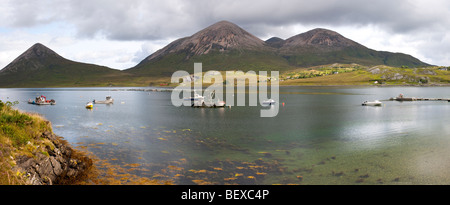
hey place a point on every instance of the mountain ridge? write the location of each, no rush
(234, 48)
(221, 46)
(223, 36)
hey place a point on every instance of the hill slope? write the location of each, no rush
(226, 46)
(40, 66)
(222, 46)
(322, 46)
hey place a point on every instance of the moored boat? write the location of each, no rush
(108, 100)
(219, 104)
(268, 102)
(372, 103)
(196, 97)
(42, 100)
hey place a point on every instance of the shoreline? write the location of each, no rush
(159, 88)
(31, 154)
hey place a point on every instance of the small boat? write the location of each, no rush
(89, 105)
(108, 100)
(373, 103)
(219, 103)
(196, 97)
(199, 101)
(41, 100)
(269, 102)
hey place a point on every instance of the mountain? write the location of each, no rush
(221, 46)
(275, 42)
(320, 39)
(222, 36)
(40, 66)
(226, 46)
(321, 46)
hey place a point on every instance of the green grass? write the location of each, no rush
(353, 74)
(18, 128)
(19, 135)
(22, 134)
(233, 60)
(358, 55)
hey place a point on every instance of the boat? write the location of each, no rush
(269, 102)
(219, 103)
(196, 97)
(372, 103)
(42, 100)
(108, 100)
(201, 101)
(89, 105)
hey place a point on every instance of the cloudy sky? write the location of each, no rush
(120, 33)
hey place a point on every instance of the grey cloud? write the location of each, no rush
(22, 13)
(129, 20)
(153, 19)
(395, 16)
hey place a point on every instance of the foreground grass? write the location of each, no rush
(18, 133)
(22, 134)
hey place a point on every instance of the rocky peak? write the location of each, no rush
(33, 58)
(275, 42)
(320, 38)
(38, 51)
(221, 36)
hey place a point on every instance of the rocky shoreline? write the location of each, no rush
(58, 164)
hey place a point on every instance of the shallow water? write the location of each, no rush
(322, 135)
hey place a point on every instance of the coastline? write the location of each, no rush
(31, 154)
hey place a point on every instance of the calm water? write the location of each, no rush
(320, 136)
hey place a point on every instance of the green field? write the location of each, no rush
(354, 74)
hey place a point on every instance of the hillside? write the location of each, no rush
(226, 46)
(31, 154)
(222, 46)
(354, 74)
(40, 66)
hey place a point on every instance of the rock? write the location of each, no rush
(397, 76)
(427, 72)
(375, 71)
(57, 169)
(45, 170)
(60, 166)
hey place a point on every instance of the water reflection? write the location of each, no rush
(320, 136)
